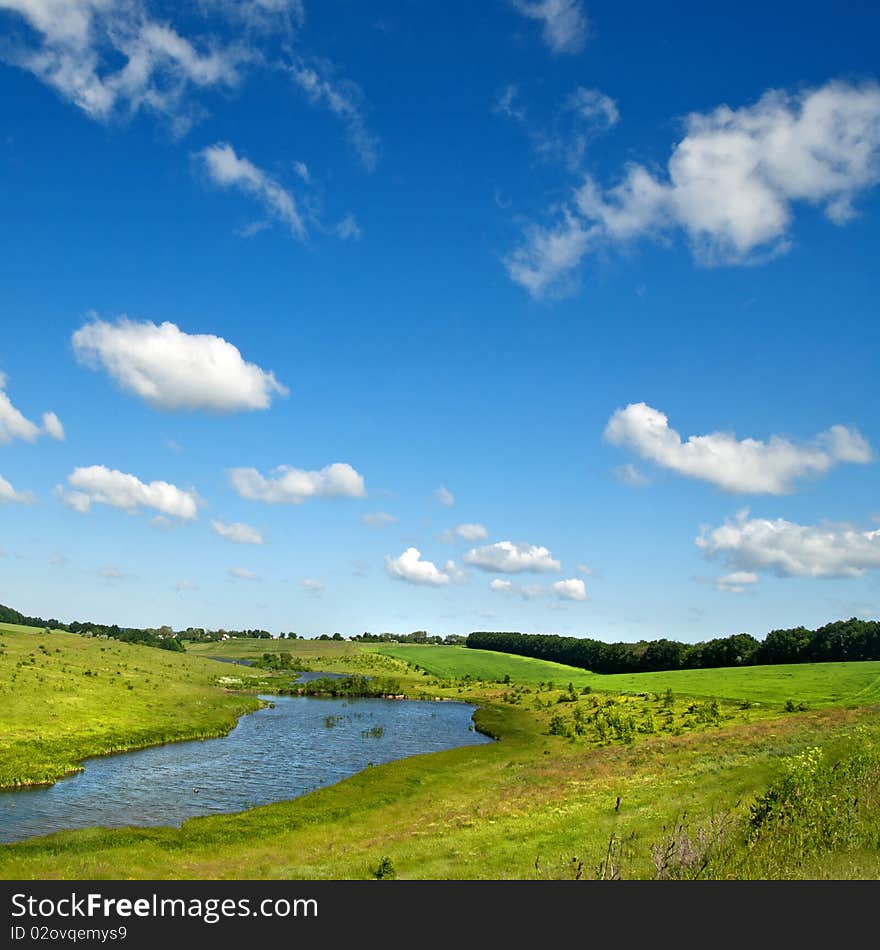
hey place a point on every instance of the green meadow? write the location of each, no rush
(817, 684)
(657, 775)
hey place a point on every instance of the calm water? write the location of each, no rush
(271, 755)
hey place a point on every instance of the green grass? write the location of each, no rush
(817, 684)
(249, 649)
(532, 805)
(65, 697)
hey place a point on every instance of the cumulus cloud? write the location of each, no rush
(511, 557)
(736, 582)
(242, 574)
(571, 589)
(97, 484)
(584, 569)
(466, 532)
(504, 587)
(344, 99)
(14, 425)
(293, 486)
(747, 465)
(237, 532)
(173, 370)
(8, 495)
(312, 586)
(228, 170)
(564, 23)
(110, 573)
(444, 496)
(788, 549)
(730, 187)
(107, 57)
(411, 568)
(183, 586)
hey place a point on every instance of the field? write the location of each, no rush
(816, 684)
(65, 697)
(599, 802)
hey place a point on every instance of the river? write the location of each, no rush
(273, 754)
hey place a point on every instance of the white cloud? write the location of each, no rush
(312, 586)
(504, 587)
(510, 557)
(237, 532)
(226, 169)
(52, 426)
(505, 104)
(183, 586)
(594, 106)
(173, 370)
(105, 57)
(571, 589)
(746, 465)
(584, 569)
(532, 591)
(348, 229)
(110, 573)
(565, 25)
(13, 425)
(788, 549)
(411, 568)
(736, 582)
(378, 519)
(303, 171)
(444, 496)
(97, 484)
(730, 186)
(292, 486)
(467, 532)
(544, 264)
(628, 474)
(9, 495)
(344, 99)
(242, 574)
(262, 15)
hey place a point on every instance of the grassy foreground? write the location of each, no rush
(65, 697)
(579, 785)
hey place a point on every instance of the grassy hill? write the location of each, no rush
(65, 697)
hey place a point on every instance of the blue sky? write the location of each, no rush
(534, 315)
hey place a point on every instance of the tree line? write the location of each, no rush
(851, 639)
(164, 637)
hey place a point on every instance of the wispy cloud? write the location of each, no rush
(564, 24)
(238, 532)
(344, 98)
(227, 169)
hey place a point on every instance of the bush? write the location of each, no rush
(385, 870)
